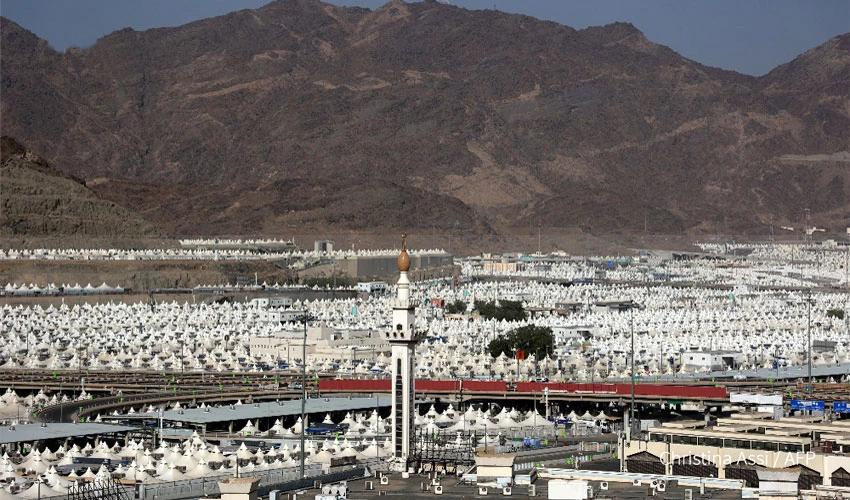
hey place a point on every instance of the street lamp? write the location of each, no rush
(776, 359)
(593, 359)
(809, 337)
(304, 318)
(632, 306)
(377, 423)
(81, 353)
(516, 356)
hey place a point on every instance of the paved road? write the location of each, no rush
(836, 370)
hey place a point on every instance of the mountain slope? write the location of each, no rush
(37, 199)
(477, 120)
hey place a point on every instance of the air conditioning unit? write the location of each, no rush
(662, 486)
(317, 484)
(482, 491)
(423, 486)
(385, 480)
(689, 494)
(603, 486)
(506, 491)
(590, 492)
(382, 493)
(438, 490)
(653, 484)
(532, 490)
(636, 482)
(326, 490)
(369, 486)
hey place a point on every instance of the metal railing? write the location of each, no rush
(208, 485)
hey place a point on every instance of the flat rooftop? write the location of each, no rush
(411, 488)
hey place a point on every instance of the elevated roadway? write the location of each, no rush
(144, 381)
(113, 391)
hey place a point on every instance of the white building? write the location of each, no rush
(704, 361)
(281, 315)
(323, 344)
(372, 286)
(269, 302)
(277, 309)
(284, 346)
(323, 246)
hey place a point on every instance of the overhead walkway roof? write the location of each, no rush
(26, 433)
(252, 411)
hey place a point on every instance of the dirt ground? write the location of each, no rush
(141, 275)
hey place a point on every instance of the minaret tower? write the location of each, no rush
(403, 338)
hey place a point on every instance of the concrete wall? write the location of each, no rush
(387, 265)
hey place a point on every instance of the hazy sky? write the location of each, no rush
(750, 36)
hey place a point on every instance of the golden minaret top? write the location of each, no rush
(403, 257)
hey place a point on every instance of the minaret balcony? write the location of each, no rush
(398, 303)
(403, 336)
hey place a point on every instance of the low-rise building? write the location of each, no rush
(323, 344)
(372, 286)
(706, 361)
(272, 302)
(741, 446)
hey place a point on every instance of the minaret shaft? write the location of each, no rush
(403, 338)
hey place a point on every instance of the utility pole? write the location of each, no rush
(776, 359)
(632, 363)
(538, 239)
(809, 336)
(808, 215)
(632, 307)
(304, 318)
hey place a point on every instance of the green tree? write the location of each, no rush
(456, 307)
(502, 344)
(537, 340)
(485, 309)
(509, 310)
(835, 313)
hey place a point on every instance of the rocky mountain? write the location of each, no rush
(38, 199)
(302, 114)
